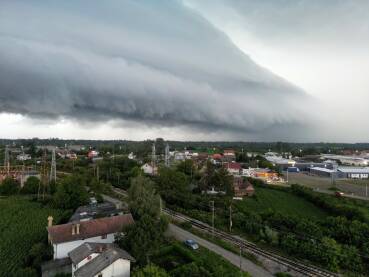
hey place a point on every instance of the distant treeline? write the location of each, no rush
(196, 145)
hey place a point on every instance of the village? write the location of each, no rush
(98, 189)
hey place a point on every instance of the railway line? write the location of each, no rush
(293, 265)
(297, 266)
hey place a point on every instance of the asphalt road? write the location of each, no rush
(246, 265)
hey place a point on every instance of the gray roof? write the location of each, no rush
(102, 261)
(357, 170)
(86, 249)
(91, 211)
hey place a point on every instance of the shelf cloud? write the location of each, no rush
(158, 64)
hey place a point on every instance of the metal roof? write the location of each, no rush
(102, 261)
(359, 170)
(323, 169)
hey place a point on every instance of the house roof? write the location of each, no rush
(217, 156)
(88, 229)
(235, 166)
(102, 261)
(92, 211)
(86, 249)
(250, 188)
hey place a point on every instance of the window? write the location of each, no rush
(100, 275)
(103, 236)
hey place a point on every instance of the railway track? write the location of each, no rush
(294, 265)
(297, 266)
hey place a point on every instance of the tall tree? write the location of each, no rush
(9, 186)
(70, 193)
(142, 198)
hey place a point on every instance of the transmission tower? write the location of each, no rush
(153, 158)
(167, 162)
(53, 167)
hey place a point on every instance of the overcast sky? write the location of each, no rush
(201, 70)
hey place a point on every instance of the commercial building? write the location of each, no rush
(354, 172)
(341, 172)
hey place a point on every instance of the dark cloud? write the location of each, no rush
(157, 64)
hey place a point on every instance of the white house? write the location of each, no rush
(149, 169)
(23, 157)
(66, 237)
(100, 260)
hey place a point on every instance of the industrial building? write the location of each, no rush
(341, 172)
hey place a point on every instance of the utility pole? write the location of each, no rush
(153, 158)
(161, 205)
(240, 258)
(213, 211)
(53, 167)
(7, 160)
(287, 174)
(44, 177)
(167, 155)
(366, 190)
(230, 218)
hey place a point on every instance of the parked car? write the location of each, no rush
(191, 244)
(339, 193)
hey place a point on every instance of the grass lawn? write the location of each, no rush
(281, 201)
(346, 185)
(23, 223)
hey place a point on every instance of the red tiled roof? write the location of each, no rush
(217, 156)
(88, 229)
(236, 166)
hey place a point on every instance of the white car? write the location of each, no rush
(192, 244)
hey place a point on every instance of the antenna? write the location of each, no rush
(167, 162)
(53, 167)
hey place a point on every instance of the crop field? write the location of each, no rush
(280, 201)
(22, 224)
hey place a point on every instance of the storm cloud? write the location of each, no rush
(152, 62)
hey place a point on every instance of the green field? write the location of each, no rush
(22, 224)
(280, 201)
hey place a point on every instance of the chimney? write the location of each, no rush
(50, 221)
(77, 228)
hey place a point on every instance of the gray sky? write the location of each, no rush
(209, 70)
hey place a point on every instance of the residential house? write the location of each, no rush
(233, 168)
(149, 169)
(95, 210)
(66, 237)
(242, 187)
(229, 155)
(100, 259)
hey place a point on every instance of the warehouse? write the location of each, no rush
(323, 172)
(353, 172)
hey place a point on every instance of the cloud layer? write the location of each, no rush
(156, 64)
